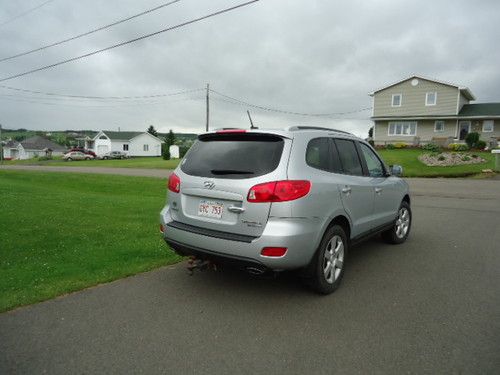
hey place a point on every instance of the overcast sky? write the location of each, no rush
(293, 55)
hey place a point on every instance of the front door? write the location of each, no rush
(386, 189)
(463, 129)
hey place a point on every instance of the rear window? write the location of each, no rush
(234, 156)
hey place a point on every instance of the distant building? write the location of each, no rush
(174, 152)
(32, 147)
(132, 143)
(422, 110)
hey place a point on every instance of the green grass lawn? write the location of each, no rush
(412, 167)
(144, 162)
(64, 232)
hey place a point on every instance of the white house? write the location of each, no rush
(32, 147)
(132, 143)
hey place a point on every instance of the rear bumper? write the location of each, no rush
(298, 235)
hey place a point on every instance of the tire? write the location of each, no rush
(332, 254)
(105, 158)
(69, 159)
(87, 158)
(401, 228)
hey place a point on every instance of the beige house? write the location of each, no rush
(420, 110)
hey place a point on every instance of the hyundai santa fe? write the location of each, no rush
(275, 200)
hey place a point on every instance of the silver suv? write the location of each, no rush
(274, 200)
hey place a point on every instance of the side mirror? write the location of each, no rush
(396, 170)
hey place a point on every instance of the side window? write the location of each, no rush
(318, 154)
(349, 157)
(375, 167)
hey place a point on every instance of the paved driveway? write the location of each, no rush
(431, 306)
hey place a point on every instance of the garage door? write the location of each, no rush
(102, 149)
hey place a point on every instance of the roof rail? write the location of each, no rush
(295, 128)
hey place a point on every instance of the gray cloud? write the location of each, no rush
(296, 55)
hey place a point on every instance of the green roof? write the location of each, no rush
(121, 135)
(481, 109)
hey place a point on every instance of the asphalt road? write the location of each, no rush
(429, 306)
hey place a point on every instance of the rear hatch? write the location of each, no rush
(217, 174)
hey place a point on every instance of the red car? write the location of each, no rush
(85, 151)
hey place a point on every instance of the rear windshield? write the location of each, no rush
(234, 156)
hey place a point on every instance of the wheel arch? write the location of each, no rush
(342, 221)
(406, 199)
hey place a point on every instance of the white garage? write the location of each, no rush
(132, 143)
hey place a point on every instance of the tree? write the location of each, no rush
(370, 132)
(151, 130)
(165, 152)
(170, 138)
(169, 141)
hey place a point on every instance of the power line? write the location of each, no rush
(84, 105)
(245, 103)
(89, 32)
(129, 41)
(52, 94)
(25, 13)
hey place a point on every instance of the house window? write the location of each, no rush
(439, 126)
(396, 100)
(430, 98)
(488, 126)
(404, 128)
(125, 147)
(145, 147)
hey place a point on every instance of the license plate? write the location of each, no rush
(210, 209)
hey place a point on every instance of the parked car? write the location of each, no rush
(271, 200)
(77, 155)
(114, 155)
(84, 150)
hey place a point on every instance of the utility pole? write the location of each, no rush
(208, 105)
(1, 145)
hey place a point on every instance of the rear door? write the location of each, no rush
(217, 174)
(355, 189)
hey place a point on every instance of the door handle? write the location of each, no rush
(346, 190)
(378, 190)
(236, 209)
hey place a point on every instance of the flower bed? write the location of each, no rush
(450, 158)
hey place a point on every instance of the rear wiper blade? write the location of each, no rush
(229, 171)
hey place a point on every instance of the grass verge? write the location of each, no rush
(412, 167)
(145, 162)
(64, 232)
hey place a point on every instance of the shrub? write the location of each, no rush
(390, 146)
(441, 158)
(400, 145)
(480, 145)
(465, 158)
(43, 158)
(471, 139)
(431, 147)
(458, 147)
(165, 152)
(474, 156)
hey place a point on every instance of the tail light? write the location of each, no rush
(174, 183)
(279, 191)
(273, 251)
